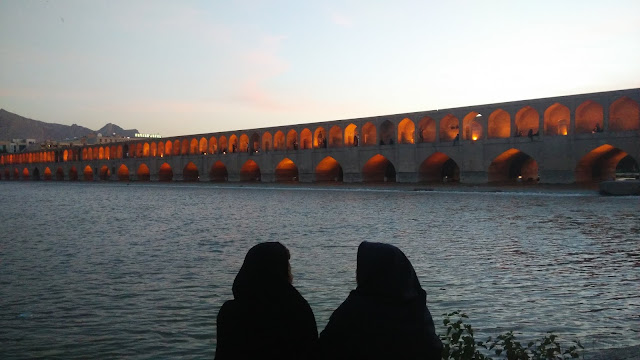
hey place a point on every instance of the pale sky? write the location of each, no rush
(189, 67)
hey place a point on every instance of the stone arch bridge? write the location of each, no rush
(567, 139)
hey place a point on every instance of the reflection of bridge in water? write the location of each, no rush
(578, 138)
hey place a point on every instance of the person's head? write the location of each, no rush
(384, 270)
(265, 268)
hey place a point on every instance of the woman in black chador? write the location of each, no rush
(268, 318)
(386, 316)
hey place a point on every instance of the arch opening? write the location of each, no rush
(244, 143)
(279, 141)
(223, 145)
(329, 170)
(378, 169)
(589, 117)
(190, 173)
(527, 120)
(387, 133)
(250, 171)
(319, 138)
(48, 174)
(427, 130)
(25, 174)
(499, 125)
(606, 163)
(556, 120)
(513, 166)
(88, 173)
(305, 139)
(286, 171)
(406, 131)
(335, 136)
(624, 115)
(59, 174)
(35, 175)
(165, 174)
(143, 173)
(73, 174)
(254, 143)
(104, 173)
(292, 140)
(472, 129)
(449, 128)
(202, 146)
(369, 134)
(213, 145)
(438, 168)
(267, 141)
(351, 135)
(218, 172)
(123, 173)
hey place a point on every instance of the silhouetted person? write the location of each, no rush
(386, 316)
(530, 134)
(268, 318)
(355, 140)
(456, 140)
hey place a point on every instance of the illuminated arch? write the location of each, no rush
(624, 115)
(449, 128)
(292, 140)
(279, 141)
(267, 141)
(193, 146)
(513, 165)
(104, 173)
(527, 119)
(168, 148)
(378, 169)
(222, 143)
(16, 174)
(119, 152)
(48, 174)
(139, 150)
(35, 174)
(387, 133)
(73, 174)
(59, 174)
(427, 130)
(438, 168)
(369, 134)
(602, 163)
(161, 149)
(319, 138)
(123, 173)
(202, 146)
(250, 171)
(233, 143)
(335, 136)
(499, 125)
(84, 153)
(176, 147)
(218, 172)
(471, 127)
(254, 142)
(165, 174)
(143, 173)
(306, 139)
(153, 150)
(190, 173)
(244, 143)
(589, 117)
(25, 174)
(556, 120)
(406, 131)
(329, 170)
(145, 150)
(213, 145)
(286, 171)
(101, 153)
(88, 173)
(350, 132)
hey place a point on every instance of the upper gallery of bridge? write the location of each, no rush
(608, 112)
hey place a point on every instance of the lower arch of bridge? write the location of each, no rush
(25, 174)
(378, 169)
(73, 174)
(165, 174)
(104, 173)
(123, 173)
(143, 173)
(603, 163)
(329, 169)
(512, 166)
(286, 171)
(218, 172)
(16, 174)
(88, 173)
(190, 173)
(35, 175)
(250, 171)
(48, 175)
(59, 174)
(438, 168)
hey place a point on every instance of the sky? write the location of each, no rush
(190, 67)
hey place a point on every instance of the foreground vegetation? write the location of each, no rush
(460, 344)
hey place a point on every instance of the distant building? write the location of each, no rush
(16, 145)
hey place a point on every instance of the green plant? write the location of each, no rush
(460, 344)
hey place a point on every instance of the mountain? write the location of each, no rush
(14, 126)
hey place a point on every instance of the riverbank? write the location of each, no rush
(626, 353)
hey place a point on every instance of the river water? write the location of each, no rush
(108, 270)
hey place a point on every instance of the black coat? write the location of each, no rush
(268, 318)
(386, 316)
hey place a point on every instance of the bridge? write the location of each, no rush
(568, 139)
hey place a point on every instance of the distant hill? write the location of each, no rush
(14, 126)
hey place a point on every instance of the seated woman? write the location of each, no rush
(268, 318)
(386, 316)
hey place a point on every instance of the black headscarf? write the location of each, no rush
(264, 273)
(386, 316)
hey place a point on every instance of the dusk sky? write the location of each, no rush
(188, 67)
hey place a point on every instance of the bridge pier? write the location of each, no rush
(474, 177)
(407, 177)
(557, 176)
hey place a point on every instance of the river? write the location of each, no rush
(109, 270)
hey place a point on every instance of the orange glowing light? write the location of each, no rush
(474, 138)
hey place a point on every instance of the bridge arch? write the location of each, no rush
(190, 173)
(624, 115)
(499, 126)
(35, 174)
(319, 138)
(146, 149)
(222, 143)
(267, 141)
(104, 173)
(100, 153)
(254, 142)
(279, 142)
(25, 174)
(143, 173)
(438, 167)
(7, 174)
(449, 128)
(233, 143)
(16, 174)
(513, 165)
(556, 120)
(406, 131)
(244, 143)
(350, 133)
(589, 116)
(176, 147)
(335, 136)
(164, 149)
(306, 139)
(286, 171)
(369, 134)
(189, 146)
(527, 119)
(165, 174)
(603, 162)
(387, 133)
(292, 140)
(203, 146)
(427, 130)
(471, 127)
(213, 145)
(218, 172)
(378, 169)
(139, 152)
(59, 174)
(123, 173)
(73, 174)
(88, 173)
(250, 171)
(153, 149)
(48, 174)
(329, 169)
